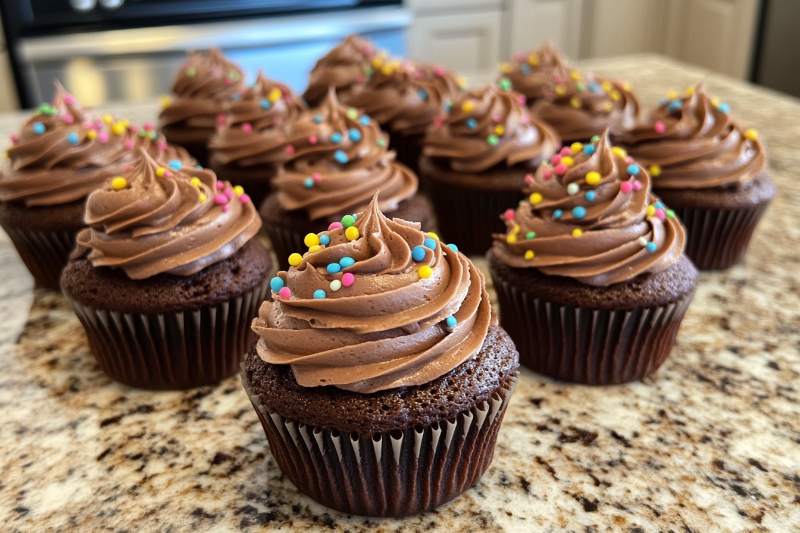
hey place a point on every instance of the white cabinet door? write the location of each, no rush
(533, 21)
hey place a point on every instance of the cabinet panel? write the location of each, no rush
(534, 21)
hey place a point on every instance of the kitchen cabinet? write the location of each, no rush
(531, 22)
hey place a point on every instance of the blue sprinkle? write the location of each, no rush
(472, 123)
(354, 135)
(347, 261)
(317, 119)
(660, 205)
(336, 137)
(364, 120)
(333, 268)
(319, 294)
(589, 149)
(724, 107)
(525, 69)
(594, 87)
(265, 104)
(423, 94)
(557, 213)
(578, 212)
(675, 105)
(633, 170)
(341, 157)
(651, 247)
(39, 128)
(590, 196)
(453, 247)
(325, 239)
(418, 253)
(308, 183)
(174, 164)
(430, 242)
(73, 138)
(276, 284)
(450, 322)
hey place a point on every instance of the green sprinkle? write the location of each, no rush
(530, 235)
(381, 142)
(670, 213)
(504, 84)
(352, 114)
(348, 220)
(580, 87)
(492, 139)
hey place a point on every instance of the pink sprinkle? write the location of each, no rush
(439, 71)
(438, 121)
(221, 119)
(556, 159)
(67, 118)
(102, 136)
(334, 225)
(14, 138)
(228, 81)
(244, 198)
(661, 214)
(521, 99)
(225, 208)
(626, 187)
(508, 214)
(316, 176)
(566, 150)
(167, 174)
(312, 139)
(148, 126)
(162, 145)
(220, 186)
(628, 159)
(220, 199)
(247, 127)
(547, 173)
(285, 292)
(528, 179)
(69, 99)
(497, 117)
(129, 144)
(229, 193)
(637, 185)
(289, 149)
(348, 279)
(561, 169)
(660, 127)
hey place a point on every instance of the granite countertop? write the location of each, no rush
(711, 442)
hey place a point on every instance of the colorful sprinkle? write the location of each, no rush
(593, 178)
(324, 240)
(118, 128)
(633, 170)
(265, 104)
(341, 157)
(348, 220)
(724, 107)
(576, 147)
(336, 137)
(561, 169)
(750, 134)
(530, 235)
(39, 128)
(660, 127)
(308, 183)
(276, 284)
(364, 120)
(347, 261)
(424, 271)
(451, 322)
(351, 113)
(418, 253)
(285, 293)
(651, 247)
(335, 285)
(423, 94)
(221, 199)
(73, 138)
(274, 95)
(472, 123)
(430, 243)
(578, 212)
(492, 139)
(568, 161)
(453, 247)
(247, 128)
(311, 239)
(432, 234)
(295, 259)
(504, 84)
(319, 294)
(535, 198)
(118, 183)
(333, 268)
(577, 232)
(354, 135)
(317, 119)
(573, 188)
(558, 213)
(655, 170)
(348, 278)
(175, 165)
(467, 106)
(529, 255)
(626, 187)
(352, 233)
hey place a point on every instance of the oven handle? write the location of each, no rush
(229, 34)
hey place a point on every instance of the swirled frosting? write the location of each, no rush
(60, 155)
(204, 85)
(345, 68)
(590, 216)
(691, 142)
(579, 106)
(401, 309)
(489, 127)
(254, 132)
(406, 97)
(531, 74)
(339, 162)
(155, 220)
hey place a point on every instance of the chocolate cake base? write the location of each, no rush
(43, 237)
(287, 229)
(593, 335)
(393, 453)
(170, 332)
(257, 181)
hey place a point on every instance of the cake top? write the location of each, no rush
(691, 142)
(375, 304)
(338, 160)
(531, 73)
(345, 68)
(590, 215)
(155, 219)
(486, 128)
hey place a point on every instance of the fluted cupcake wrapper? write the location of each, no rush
(718, 238)
(178, 350)
(285, 241)
(45, 253)
(397, 473)
(407, 148)
(590, 346)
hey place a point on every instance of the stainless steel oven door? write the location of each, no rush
(137, 65)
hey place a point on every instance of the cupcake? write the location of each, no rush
(475, 160)
(339, 161)
(580, 106)
(405, 99)
(591, 276)
(205, 85)
(248, 148)
(531, 73)
(381, 384)
(345, 68)
(712, 171)
(167, 276)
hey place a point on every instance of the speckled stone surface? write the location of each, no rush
(711, 442)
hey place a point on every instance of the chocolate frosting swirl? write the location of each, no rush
(254, 132)
(414, 310)
(579, 106)
(202, 88)
(155, 220)
(339, 162)
(531, 73)
(404, 96)
(486, 128)
(691, 142)
(59, 156)
(590, 216)
(345, 68)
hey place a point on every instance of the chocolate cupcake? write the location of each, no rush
(591, 277)
(475, 161)
(405, 99)
(167, 277)
(532, 73)
(251, 144)
(381, 383)
(709, 169)
(339, 161)
(345, 68)
(205, 85)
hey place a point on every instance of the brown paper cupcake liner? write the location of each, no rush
(45, 253)
(718, 238)
(285, 241)
(407, 148)
(178, 350)
(591, 346)
(397, 473)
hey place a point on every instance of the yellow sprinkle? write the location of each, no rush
(196, 182)
(388, 69)
(461, 81)
(533, 59)
(529, 254)
(575, 102)
(535, 198)
(619, 152)
(118, 183)
(499, 130)
(274, 95)
(166, 101)
(91, 135)
(715, 101)
(505, 68)
(576, 147)
(511, 238)
(108, 119)
(750, 134)
(672, 95)
(315, 248)
(424, 271)
(352, 233)
(689, 91)
(577, 232)
(311, 239)
(575, 75)
(655, 170)
(377, 61)
(468, 106)
(238, 190)
(560, 90)
(295, 259)
(160, 171)
(433, 235)
(593, 177)
(651, 210)
(626, 86)
(615, 95)
(606, 86)
(118, 128)
(567, 160)
(201, 197)
(125, 122)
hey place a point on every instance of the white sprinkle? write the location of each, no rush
(573, 188)
(643, 241)
(336, 285)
